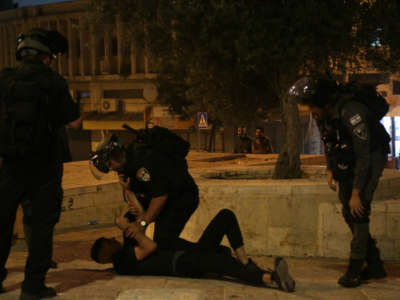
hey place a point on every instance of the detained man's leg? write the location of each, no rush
(198, 263)
(224, 223)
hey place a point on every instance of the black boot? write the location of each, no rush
(281, 275)
(45, 292)
(374, 269)
(352, 276)
(3, 275)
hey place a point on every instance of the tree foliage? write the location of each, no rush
(237, 59)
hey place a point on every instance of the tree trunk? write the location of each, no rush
(211, 142)
(288, 165)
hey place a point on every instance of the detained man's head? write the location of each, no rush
(103, 250)
(117, 161)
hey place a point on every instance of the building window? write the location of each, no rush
(135, 116)
(83, 94)
(124, 94)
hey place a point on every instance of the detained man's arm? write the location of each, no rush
(145, 245)
(134, 206)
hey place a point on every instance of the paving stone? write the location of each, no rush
(162, 294)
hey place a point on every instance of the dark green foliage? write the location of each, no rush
(237, 59)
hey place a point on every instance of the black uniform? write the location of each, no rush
(356, 147)
(37, 179)
(154, 174)
(193, 259)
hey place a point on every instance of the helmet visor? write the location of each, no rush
(302, 88)
(98, 166)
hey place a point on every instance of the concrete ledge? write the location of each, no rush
(297, 217)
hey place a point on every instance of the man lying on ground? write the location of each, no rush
(139, 255)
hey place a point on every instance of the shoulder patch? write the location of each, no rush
(356, 119)
(143, 175)
(361, 132)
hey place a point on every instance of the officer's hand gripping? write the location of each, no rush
(132, 230)
(332, 183)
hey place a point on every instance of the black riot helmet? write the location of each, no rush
(317, 92)
(99, 160)
(39, 40)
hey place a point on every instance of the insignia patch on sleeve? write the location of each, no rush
(356, 119)
(361, 132)
(143, 175)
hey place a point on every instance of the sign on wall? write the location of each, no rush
(202, 120)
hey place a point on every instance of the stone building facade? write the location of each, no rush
(110, 78)
(113, 80)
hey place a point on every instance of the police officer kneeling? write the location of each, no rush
(35, 105)
(158, 175)
(356, 148)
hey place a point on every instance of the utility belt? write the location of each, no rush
(342, 161)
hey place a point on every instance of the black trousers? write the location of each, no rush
(359, 226)
(224, 223)
(44, 193)
(207, 256)
(173, 218)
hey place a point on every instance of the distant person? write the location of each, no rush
(139, 255)
(242, 141)
(261, 143)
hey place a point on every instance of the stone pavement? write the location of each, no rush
(79, 278)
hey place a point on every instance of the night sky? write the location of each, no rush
(37, 2)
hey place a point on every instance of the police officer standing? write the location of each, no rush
(356, 148)
(35, 106)
(160, 181)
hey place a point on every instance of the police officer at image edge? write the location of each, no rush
(159, 178)
(35, 107)
(356, 148)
